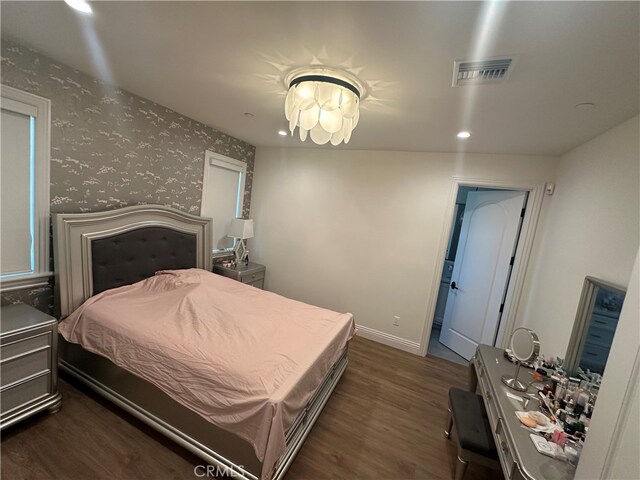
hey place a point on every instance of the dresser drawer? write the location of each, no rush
(257, 283)
(594, 357)
(252, 277)
(23, 366)
(603, 321)
(26, 392)
(602, 337)
(25, 345)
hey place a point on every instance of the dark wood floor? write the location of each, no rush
(384, 421)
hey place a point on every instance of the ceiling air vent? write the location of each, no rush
(481, 72)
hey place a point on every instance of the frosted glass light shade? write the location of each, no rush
(323, 107)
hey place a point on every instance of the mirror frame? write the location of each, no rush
(580, 326)
(535, 345)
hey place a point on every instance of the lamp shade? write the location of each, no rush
(323, 103)
(241, 228)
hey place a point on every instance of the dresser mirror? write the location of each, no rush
(594, 328)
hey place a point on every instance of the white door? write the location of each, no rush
(488, 236)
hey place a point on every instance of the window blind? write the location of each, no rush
(16, 163)
(222, 204)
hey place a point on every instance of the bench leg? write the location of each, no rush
(447, 429)
(461, 468)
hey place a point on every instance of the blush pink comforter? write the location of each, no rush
(244, 359)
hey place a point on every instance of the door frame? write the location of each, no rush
(524, 247)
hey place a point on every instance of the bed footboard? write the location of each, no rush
(212, 444)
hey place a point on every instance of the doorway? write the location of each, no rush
(475, 278)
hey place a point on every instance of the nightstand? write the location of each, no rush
(28, 364)
(252, 274)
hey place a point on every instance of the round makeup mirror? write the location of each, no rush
(525, 347)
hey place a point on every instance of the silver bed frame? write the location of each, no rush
(233, 456)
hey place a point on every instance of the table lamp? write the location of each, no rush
(241, 229)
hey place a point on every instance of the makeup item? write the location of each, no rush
(577, 410)
(588, 410)
(570, 406)
(572, 450)
(562, 415)
(561, 389)
(553, 384)
(528, 421)
(559, 438)
(542, 445)
(573, 390)
(583, 398)
(585, 420)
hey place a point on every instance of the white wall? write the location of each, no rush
(611, 449)
(359, 231)
(591, 227)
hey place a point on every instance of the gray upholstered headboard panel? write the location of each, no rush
(132, 256)
(102, 250)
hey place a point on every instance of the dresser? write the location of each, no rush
(28, 364)
(252, 274)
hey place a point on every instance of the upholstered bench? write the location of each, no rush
(473, 431)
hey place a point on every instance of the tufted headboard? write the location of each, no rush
(98, 251)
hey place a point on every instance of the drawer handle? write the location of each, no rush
(24, 354)
(488, 397)
(25, 380)
(504, 447)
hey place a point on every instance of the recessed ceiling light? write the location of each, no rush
(79, 5)
(282, 132)
(464, 135)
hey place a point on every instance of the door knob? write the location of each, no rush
(453, 286)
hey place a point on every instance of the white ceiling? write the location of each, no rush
(214, 61)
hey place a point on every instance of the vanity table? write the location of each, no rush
(518, 456)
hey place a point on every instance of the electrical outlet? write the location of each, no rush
(396, 320)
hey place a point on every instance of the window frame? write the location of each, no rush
(11, 98)
(222, 161)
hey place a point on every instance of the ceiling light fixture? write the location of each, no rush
(324, 103)
(79, 5)
(282, 132)
(464, 135)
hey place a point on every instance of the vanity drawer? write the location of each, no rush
(505, 452)
(487, 393)
(25, 392)
(25, 345)
(23, 366)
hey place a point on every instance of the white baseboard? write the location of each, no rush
(388, 339)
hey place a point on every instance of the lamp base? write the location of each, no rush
(240, 251)
(514, 383)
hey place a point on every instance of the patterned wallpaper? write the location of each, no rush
(111, 148)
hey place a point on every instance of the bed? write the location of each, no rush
(107, 257)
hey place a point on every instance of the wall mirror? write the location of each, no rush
(594, 328)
